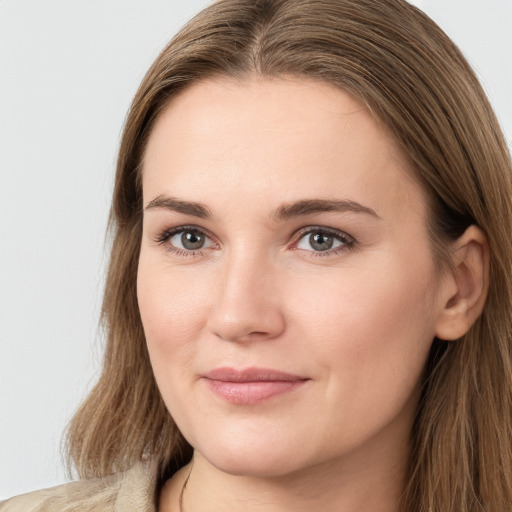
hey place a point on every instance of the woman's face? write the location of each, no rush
(286, 284)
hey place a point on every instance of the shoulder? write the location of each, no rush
(131, 491)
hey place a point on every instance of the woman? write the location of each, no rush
(309, 294)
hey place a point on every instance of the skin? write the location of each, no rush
(357, 322)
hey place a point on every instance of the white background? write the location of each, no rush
(68, 71)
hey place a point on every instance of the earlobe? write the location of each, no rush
(467, 287)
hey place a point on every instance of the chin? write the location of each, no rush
(264, 459)
(255, 466)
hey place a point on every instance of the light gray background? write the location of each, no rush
(68, 70)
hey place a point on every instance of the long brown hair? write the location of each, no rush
(415, 81)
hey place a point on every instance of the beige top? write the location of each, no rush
(131, 491)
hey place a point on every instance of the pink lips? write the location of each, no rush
(251, 385)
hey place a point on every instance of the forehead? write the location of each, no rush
(275, 140)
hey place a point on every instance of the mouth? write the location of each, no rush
(251, 385)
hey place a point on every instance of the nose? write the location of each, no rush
(247, 301)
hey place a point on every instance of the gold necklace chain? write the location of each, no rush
(182, 492)
(180, 500)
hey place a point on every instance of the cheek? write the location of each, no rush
(386, 299)
(170, 304)
(172, 315)
(370, 331)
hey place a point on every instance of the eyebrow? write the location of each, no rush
(286, 211)
(312, 206)
(180, 206)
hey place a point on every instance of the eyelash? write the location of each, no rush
(348, 242)
(166, 235)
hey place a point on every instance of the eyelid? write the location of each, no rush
(164, 236)
(349, 242)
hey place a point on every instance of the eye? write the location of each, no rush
(190, 240)
(324, 240)
(185, 239)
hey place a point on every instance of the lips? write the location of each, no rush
(251, 385)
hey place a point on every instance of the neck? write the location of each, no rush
(319, 488)
(349, 485)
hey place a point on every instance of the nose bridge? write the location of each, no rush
(247, 300)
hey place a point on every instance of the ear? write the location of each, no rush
(465, 289)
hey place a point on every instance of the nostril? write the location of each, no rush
(247, 325)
